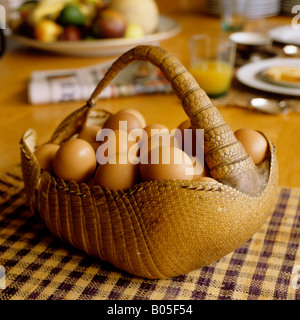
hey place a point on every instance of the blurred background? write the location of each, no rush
(266, 7)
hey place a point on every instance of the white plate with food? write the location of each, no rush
(254, 75)
(284, 75)
(285, 34)
(167, 28)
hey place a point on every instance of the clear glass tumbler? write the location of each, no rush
(233, 15)
(211, 63)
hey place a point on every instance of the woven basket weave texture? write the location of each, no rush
(157, 229)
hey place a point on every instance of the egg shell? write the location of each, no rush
(153, 129)
(75, 160)
(45, 154)
(166, 163)
(254, 143)
(137, 114)
(122, 121)
(120, 174)
(204, 178)
(186, 124)
(200, 170)
(113, 142)
(159, 140)
(89, 134)
(192, 140)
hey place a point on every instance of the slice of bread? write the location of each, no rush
(283, 73)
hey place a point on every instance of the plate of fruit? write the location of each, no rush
(90, 27)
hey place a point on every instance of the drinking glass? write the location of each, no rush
(211, 63)
(233, 15)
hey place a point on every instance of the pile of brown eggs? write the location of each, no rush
(126, 151)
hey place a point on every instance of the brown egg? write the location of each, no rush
(192, 141)
(153, 129)
(209, 179)
(113, 142)
(200, 169)
(179, 131)
(75, 160)
(186, 124)
(45, 154)
(158, 140)
(137, 114)
(122, 121)
(166, 163)
(120, 174)
(89, 134)
(254, 143)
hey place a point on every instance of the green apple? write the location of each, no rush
(71, 15)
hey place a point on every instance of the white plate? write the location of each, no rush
(249, 38)
(285, 34)
(255, 8)
(249, 75)
(167, 28)
(265, 77)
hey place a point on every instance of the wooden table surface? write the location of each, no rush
(16, 114)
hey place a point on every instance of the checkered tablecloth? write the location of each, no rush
(36, 265)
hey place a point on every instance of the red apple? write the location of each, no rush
(109, 24)
(70, 33)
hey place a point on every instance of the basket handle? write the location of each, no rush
(225, 156)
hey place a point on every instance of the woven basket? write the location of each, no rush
(164, 228)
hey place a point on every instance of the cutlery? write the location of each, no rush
(291, 50)
(272, 106)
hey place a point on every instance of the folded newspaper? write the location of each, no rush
(53, 86)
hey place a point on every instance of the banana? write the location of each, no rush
(48, 8)
(87, 9)
(52, 8)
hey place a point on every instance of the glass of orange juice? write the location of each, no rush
(211, 63)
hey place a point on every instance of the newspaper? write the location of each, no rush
(54, 86)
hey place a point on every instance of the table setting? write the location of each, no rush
(231, 233)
